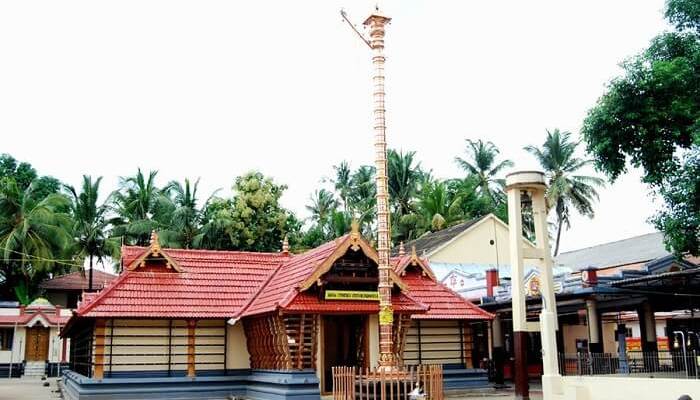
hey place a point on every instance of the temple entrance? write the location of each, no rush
(37, 344)
(345, 343)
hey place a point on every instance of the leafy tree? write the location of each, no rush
(650, 117)
(258, 220)
(24, 174)
(33, 236)
(566, 189)
(482, 161)
(90, 225)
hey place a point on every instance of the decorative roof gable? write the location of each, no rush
(154, 251)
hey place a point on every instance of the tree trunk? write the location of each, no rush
(90, 277)
(559, 225)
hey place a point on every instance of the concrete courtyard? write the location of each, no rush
(28, 389)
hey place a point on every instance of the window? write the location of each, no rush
(6, 335)
(628, 332)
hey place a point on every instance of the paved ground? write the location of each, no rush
(28, 389)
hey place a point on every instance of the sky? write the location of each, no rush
(214, 89)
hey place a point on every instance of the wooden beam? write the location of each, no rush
(99, 348)
(350, 279)
(191, 326)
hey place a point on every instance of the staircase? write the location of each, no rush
(35, 368)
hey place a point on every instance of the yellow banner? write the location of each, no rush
(351, 295)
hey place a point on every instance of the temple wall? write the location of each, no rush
(143, 345)
(237, 356)
(439, 343)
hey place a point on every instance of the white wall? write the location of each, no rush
(373, 340)
(17, 353)
(621, 388)
(237, 356)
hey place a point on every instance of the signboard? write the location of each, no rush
(351, 295)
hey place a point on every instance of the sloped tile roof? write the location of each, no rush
(282, 287)
(78, 281)
(633, 250)
(214, 284)
(431, 241)
(443, 303)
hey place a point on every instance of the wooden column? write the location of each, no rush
(99, 348)
(191, 326)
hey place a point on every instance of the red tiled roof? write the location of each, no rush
(227, 284)
(214, 284)
(25, 318)
(282, 288)
(78, 281)
(443, 302)
(307, 302)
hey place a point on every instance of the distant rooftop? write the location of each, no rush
(429, 242)
(636, 249)
(78, 281)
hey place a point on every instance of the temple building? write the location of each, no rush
(201, 324)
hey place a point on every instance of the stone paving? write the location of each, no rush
(28, 389)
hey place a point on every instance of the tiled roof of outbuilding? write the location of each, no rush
(78, 280)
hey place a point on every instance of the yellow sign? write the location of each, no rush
(351, 295)
(386, 316)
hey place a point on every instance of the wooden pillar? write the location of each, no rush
(99, 348)
(191, 326)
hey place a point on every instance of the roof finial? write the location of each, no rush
(285, 245)
(413, 251)
(155, 243)
(355, 228)
(402, 249)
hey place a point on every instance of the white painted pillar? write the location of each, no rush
(593, 324)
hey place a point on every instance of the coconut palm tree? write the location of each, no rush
(482, 161)
(403, 180)
(90, 225)
(323, 203)
(34, 232)
(566, 189)
(184, 229)
(438, 208)
(342, 182)
(141, 207)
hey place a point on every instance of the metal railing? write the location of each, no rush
(661, 364)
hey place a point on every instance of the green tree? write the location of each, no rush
(184, 229)
(566, 189)
(342, 182)
(482, 161)
(33, 236)
(259, 222)
(141, 208)
(90, 225)
(24, 174)
(650, 117)
(403, 180)
(323, 204)
(438, 208)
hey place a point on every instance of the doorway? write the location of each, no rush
(345, 343)
(37, 344)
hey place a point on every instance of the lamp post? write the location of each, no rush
(531, 185)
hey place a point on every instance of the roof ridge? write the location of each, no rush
(257, 292)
